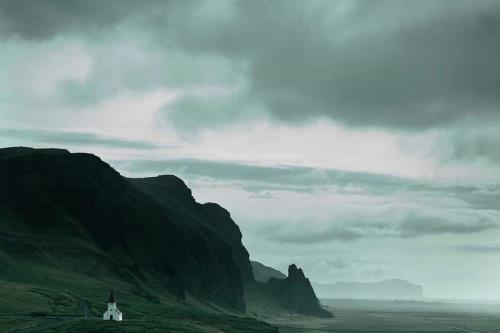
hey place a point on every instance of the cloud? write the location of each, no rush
(480, 197)
(287, 176)
(479, 248)
(45, 19)
(410, 224)
(216, 108)
(339, 263)
(479, 142)
(262, 179)
(334, 233)
(385, 63)
(417, 225)
(72, 138)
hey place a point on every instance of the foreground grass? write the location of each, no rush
(11, 324)
(220, 324)
(47, 288)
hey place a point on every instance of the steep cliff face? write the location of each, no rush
(296, 293)
(292, 293)
(149, 227)
(173, 194)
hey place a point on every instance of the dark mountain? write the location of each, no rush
(394, 289)
(149, 231)
(172, 193)
(263, 273)
(293, 294)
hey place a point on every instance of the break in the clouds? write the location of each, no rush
(326, 127)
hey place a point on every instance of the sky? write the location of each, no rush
(357, 139)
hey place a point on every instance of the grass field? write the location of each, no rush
(47, 288)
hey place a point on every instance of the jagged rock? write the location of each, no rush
(293, 293)
(296, 293)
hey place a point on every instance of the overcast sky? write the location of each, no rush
(357, 139)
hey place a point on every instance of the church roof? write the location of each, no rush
(111, 298)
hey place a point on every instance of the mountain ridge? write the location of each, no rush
(390, 289)
(74, 214)
(53, 191)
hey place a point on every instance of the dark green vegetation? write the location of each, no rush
(72, 228)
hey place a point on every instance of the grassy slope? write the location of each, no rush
(63, 273)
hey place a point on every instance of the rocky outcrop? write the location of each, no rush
(152, 228)
(293, 293)
(263, 273)
(296, 293)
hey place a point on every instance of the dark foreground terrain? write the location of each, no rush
(350, 316)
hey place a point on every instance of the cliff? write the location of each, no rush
(149, 231)
(292, 294)
(296, 293)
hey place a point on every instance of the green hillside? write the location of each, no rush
(72, 228)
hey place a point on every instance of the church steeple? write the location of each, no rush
(111, 298)
(112, 313)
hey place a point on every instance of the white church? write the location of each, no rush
(113, 313)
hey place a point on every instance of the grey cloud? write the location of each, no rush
(72, 138)
(379, 63)
(479, 248)
(480, 197)
(45, 19)
(384, 63)
(291, 177)
(479, 142)
(339, 263)
(335, 233)
(421, 225)
(263, 179)
(216, 111)
(414, 225)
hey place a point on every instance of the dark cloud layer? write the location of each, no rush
(44, 19)
(279, 175)
(262, 179)
(480, 248)
(72, 138)
(412, 226)
(398, 64)
(406, 68)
